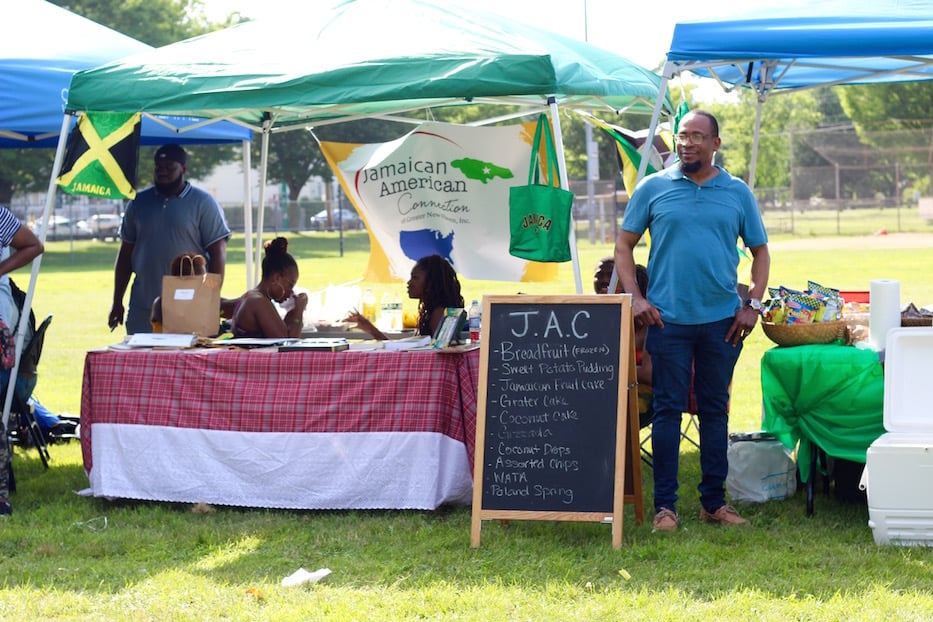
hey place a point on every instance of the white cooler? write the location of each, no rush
(898, 474)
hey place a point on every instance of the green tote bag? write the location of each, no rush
(539, 214)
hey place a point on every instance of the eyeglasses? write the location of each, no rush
(693, 138)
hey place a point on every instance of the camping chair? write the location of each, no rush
(24, 430)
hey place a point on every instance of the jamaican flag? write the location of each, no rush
(100, 159)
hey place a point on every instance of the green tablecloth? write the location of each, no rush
(831, 395)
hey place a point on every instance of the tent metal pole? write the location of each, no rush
(756, 135)
(562, 170)
(30, 291)
(263, 171)
(248, 212)
(666, 75)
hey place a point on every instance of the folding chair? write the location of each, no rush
(24, 430)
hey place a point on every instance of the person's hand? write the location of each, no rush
(742, 325)
(356, 317)
(301, 302)
(646, 314)
(116, 316)
(364, 324)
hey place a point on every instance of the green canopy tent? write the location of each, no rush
(365, 58)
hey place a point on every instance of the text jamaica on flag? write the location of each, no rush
(100, 160)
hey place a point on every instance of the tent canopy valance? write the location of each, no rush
(364, 58)
(824, 43)
(42, 46)
(821, 44)
(367, 58)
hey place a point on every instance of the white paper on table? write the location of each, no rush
(408, 343)
(160, 340)
(367, 346)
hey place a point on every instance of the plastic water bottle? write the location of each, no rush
(369, 306)
(396, 313)
(475, 315)
(384, 320)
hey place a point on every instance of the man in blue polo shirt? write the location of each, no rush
(170, 218)
(695, 212)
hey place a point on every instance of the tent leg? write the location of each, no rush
(248, 212)
(263, 171)
(30, 291)
(562, 168)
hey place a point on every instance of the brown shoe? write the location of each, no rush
(725, 515)
(665, 520)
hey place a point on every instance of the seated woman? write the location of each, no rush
(434, 284)
(601, 278)
(255, 315)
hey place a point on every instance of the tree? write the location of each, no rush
(156, 22)
(894, 121)
(295, 157)
(782, 116)
(26, 170)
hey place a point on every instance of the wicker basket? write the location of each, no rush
(803, 334)
(926, 320)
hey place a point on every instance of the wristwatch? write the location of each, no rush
(754, 303)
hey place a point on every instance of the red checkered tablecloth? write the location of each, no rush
(270, 391)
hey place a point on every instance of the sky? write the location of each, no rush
(630, 29)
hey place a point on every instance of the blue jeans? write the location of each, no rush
(679, 351)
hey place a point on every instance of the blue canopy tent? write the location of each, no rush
(41, 48)
(825, 43)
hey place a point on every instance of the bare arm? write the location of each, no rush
(644, 312)
(294, 319)
(257, 315)
(761, 269)
(746, 318)
(27, 246)
(122, 270)
(218, 257)
(365, 325)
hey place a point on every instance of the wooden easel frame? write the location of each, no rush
(627, 486)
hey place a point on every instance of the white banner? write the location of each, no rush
(442, 189)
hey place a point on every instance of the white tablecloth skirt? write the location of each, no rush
(359, 470)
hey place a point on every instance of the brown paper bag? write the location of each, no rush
(191, 304)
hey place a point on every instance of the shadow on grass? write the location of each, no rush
(57, 538)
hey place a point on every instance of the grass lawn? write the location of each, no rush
(70, 557)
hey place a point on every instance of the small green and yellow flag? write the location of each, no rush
(100, 159)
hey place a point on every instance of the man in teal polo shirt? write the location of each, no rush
(695, 212)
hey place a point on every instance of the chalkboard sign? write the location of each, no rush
(555, 390)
